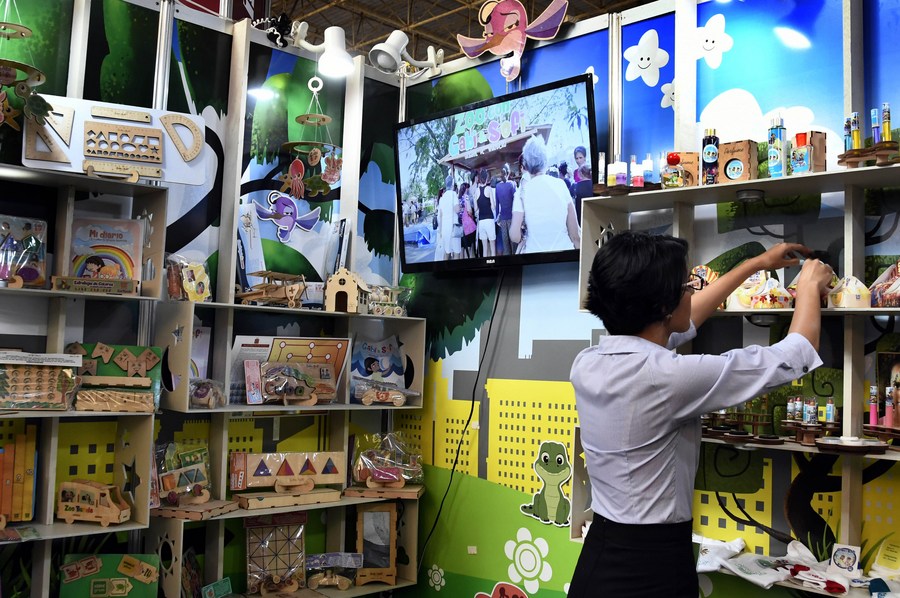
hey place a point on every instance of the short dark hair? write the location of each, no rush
(636, 279)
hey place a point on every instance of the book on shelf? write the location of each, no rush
(107, 248)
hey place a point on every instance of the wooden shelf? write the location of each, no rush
(343, 502)
(80, 182)
(34, 413)
(269, 410)
(49, 294)
(61, 529)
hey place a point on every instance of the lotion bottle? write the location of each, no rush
(637, 172)
(873, 405)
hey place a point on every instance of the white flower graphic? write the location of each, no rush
(668, 99)
(712, 41)
(528, 562)
(566, 589)
(436, 578)
(645, 59)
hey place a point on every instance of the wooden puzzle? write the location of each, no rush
(122, 142)
(36, 387)
(118, 377)
(261, 470)
(103, 575)
(275, 551)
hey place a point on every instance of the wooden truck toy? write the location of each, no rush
(84, 500)
(328, 578)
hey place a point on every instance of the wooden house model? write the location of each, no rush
(346, 292)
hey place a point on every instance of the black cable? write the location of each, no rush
(487, 340)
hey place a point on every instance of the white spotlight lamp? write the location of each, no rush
(389, 56)
(335, 62)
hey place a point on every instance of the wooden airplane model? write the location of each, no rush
(278, 289)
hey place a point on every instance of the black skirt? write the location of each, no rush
(623, 560)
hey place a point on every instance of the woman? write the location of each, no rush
(580, 158)
(544, 206)
(468, 222)
(485, 208)
(448, 217)
(639, 403)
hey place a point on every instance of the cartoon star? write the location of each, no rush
(668, 99)
(645, 59)
(712, 41)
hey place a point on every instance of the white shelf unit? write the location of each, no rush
(166, 535)
(599, 212)
(134, 431)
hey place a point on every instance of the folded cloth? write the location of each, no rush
(761, 570)
(714, 552)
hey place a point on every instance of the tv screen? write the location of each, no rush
(498, 182)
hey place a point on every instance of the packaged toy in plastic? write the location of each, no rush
(337, 569)
(386, 461)
(206, 393)
(368, 392)
(299, 384)
(23, 251)
(186, 280)
(183, 473)
(380, 360)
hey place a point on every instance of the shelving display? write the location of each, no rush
(121, 440)
(601, 212)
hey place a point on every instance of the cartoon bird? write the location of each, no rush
(506, 28)
(283, 212)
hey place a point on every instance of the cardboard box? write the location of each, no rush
(738, 161)
(690, 161)
(817, 140)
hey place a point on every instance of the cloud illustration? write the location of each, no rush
(712, 41)
(645, 59)
(668, 99)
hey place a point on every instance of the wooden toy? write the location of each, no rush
(100, 575)
(300, 384)
(386, 301)
(883, 153)
(376, 539)
(84, 500)
(328, 578)
(123, 378)
(255, 470)
(374, 395)
(409, 491)
(37, 380)
(345, 292)
(276, 556)
(278, 289)
(196, 512)
(266, 500)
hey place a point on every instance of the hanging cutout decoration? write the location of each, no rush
(20, 76)
(319, 158)
(283, 212)
(506, 30)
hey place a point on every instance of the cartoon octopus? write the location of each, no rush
(295, 178)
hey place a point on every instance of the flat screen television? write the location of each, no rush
(488, 135)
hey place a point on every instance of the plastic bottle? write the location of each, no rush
(888, 407)
(848, 140)
(777, 148)
(876, 125)
(637, 172)
(885, 121)
(855, 135)
(790, 409)
(651, 175)
(829, 411)
(611, 175)
(798, 408)
(873, 405)
(673, 175)
(710, 157)
(621, 171)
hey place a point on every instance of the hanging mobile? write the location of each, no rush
(315, 151)
(20, 76)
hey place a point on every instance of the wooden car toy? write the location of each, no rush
(275, 585)
(328, 578)
(373, 395)
(84, 500)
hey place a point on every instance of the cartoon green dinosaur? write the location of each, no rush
(550, 505)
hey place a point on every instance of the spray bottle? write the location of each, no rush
(710, 157)
(777, 149)
(885, 121)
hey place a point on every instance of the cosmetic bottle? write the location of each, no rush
(876, 125)
(801, 155)
(873, 405)
(673, 176)
(651, 174)
(710, 175)
(611, 174)
(798, 409)
(855, 135)
(888, 407)
(790, 409)
(621, 171)
(777, 159)
(829, 411)
(848, 140)
(637, 172)
(885, 121)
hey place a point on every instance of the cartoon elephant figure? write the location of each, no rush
(552, 466)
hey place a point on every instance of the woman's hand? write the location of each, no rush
(815, 275)
(782, 256)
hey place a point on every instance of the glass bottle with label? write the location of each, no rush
(673, 175)
(710, 156)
